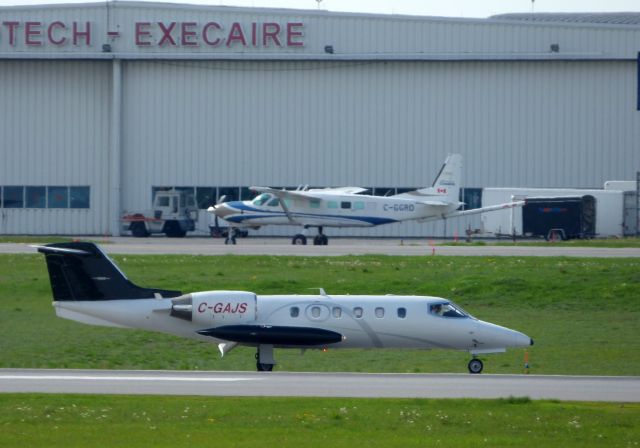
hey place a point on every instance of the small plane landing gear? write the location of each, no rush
(264, 358)
(299, 239)
(231, 237)
(320, 239)
(475, 366)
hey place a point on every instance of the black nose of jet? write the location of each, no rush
(531, 343)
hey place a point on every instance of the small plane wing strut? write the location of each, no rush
(490, 208)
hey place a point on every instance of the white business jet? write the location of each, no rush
(348, 207)
(89, 288)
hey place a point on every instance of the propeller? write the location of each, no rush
(220, 200)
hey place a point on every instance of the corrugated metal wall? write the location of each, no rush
(534, 124)
(54, 128)
(565, 119)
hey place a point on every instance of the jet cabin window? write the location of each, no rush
(294, 311)
(446, 309)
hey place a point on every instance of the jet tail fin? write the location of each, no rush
(82, 271)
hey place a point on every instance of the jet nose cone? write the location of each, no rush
(521, 339)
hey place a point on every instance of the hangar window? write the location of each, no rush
(345, 205)
(231, 193)
(13, 197)
(206, 197)
(358, 312)
(294, 311)
(379, 312)
(36, 197)
(384, 191)
(337, 312)
(78, 197)
(406, 189)
(402, 313)
(58, 197)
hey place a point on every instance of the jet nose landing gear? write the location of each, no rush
(475, 366)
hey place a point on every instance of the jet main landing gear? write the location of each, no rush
(264, 358)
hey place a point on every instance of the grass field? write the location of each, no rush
(141, 421)
(582, 313)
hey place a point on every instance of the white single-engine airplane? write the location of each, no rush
(348, 207)
(89, 288)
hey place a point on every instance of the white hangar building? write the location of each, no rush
(105, 103)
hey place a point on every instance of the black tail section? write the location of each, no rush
(81, 271)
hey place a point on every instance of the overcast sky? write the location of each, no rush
(451, 8)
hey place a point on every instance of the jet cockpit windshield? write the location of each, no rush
(447, 309)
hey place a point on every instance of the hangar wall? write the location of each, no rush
(383, 109)
(518, 124)
(55, 132)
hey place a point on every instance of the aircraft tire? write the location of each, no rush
(264, 367)
(231, 240)
(324, 240)
(299, 239)
(139, 230)
(475, 366)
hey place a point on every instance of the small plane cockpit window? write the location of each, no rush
(294, 311)
(262, 199)
(446, 309)
(345, 205)
(357, 312)
(274, 202)
(402, 313)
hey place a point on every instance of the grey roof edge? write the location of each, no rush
(371, 57)
(495, 19)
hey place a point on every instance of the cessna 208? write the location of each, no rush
(348, 207)
(89, 288)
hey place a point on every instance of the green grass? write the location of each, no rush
(582, 313)
(142, 421)
(596, 242)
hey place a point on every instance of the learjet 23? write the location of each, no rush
(88, 287)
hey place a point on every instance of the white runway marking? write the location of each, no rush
(122, 378)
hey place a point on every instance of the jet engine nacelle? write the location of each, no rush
(213, 308)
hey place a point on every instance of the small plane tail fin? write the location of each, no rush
(446, 186)
(82, 271)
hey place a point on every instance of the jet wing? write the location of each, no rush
(490, 208)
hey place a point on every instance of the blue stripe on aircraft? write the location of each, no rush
(243, 207)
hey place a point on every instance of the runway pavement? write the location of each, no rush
(281, 384)
(337, 246)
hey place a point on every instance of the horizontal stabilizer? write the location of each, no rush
(275, 335)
